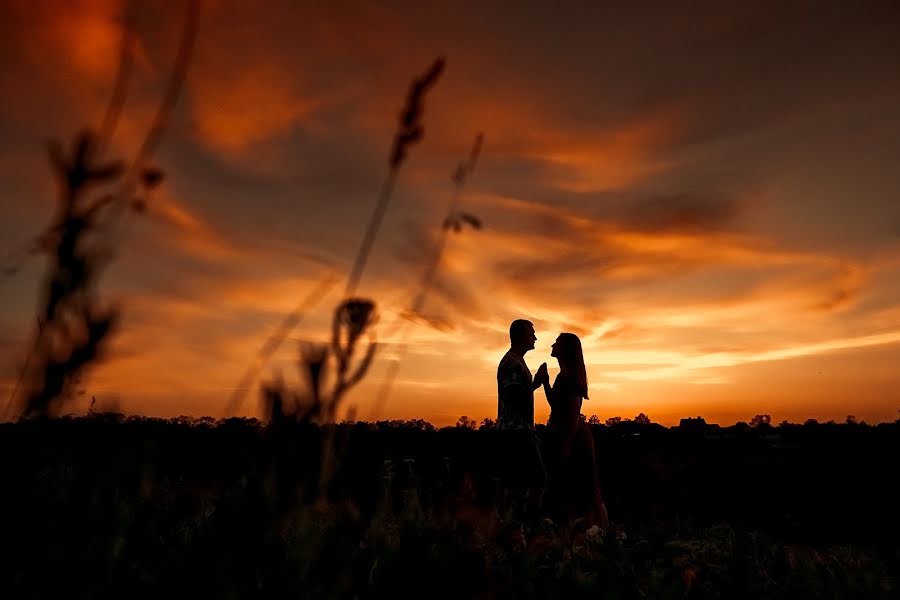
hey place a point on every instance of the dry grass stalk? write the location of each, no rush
(74, 325)
(273, 343)
(353, 344)
(453, 220)
(409, 131)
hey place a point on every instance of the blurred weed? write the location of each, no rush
(454, 220)
(273, 343)
(352, 348)
(409, 131)
(73, 324)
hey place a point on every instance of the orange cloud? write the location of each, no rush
(238, 105)
(85, 33)
(194, 235)
(607, 160)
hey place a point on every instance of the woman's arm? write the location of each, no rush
(540, 377)
(548, 392)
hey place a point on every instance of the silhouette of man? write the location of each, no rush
(515, 386)
(521, 466)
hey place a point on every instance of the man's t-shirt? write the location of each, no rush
(515, 394)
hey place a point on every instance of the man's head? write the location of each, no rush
(521, 335)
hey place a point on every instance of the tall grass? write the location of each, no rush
(454, 220)
(353, 344)
(74, 324)
(410, 130)
(353, 318)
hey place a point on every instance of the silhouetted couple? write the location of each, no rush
(559, 477)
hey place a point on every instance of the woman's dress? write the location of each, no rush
(574, 489)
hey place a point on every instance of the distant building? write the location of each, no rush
(692, 425)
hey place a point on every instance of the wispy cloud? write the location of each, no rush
(692, 219)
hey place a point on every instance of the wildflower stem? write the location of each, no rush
(11, 401)
(410, 131)
(431, 268)
(271, 345)
(173, 88)
(365, 248)
(159, 124)
(120, 87)
(17, 258)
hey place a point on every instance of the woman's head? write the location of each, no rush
(567, 350)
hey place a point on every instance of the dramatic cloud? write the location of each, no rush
(708, 198)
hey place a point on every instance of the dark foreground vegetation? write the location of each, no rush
(104, 506)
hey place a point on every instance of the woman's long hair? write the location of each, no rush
(571, 355)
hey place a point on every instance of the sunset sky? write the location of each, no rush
(708, 194)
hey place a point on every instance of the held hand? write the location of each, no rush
(542, 376)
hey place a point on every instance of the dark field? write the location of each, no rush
(104, 507)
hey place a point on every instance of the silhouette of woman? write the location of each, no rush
(573, 489)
